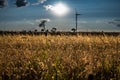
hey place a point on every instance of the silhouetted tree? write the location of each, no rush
(42, 30)
(53, 30)
(46, 32)
(73, 29)
(42, 24)
(36, 30)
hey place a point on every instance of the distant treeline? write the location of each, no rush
(57, 33)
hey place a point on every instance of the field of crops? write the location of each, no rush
(25, 57)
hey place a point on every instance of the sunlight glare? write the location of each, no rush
(60, 9)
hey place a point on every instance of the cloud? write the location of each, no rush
(21, 3)
(115, 22)
(98, 21)
(34, 4)
(59, 8)
(48, 7)
(39, 2)
(40, 20)
(42, 1)
(101, 21)
(30, 22)
(84, 22)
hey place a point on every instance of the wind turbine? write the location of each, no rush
(76, 18)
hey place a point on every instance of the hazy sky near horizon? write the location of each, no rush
(97, 15)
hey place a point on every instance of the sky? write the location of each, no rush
(96, 15)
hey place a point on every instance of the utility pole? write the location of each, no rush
(76, 18)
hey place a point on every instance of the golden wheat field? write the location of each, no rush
(25, 57)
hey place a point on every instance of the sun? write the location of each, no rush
(60, 9)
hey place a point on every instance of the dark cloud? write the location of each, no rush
(118, 25)
(20, 3)
(2, 3)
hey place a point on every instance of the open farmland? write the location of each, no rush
(25, 57)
